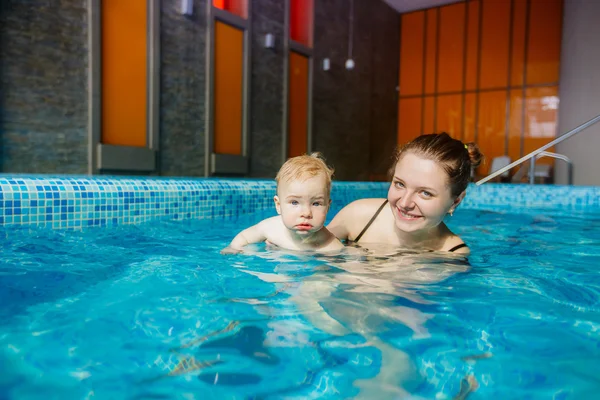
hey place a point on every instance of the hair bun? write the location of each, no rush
(475, 155)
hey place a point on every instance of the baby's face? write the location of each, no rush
(303, 204)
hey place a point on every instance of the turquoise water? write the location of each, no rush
(154, 311)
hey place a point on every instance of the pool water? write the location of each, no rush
(155, 311)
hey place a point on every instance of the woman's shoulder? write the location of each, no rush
(366, 204)
(453, 243)
(353, 217)
(362, 208)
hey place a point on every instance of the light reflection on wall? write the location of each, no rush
(542, 116)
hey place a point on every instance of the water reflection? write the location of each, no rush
(370, 292)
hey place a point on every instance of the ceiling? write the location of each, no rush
(403, 6)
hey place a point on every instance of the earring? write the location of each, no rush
(451, 212)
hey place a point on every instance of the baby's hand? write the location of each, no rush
(230, 250)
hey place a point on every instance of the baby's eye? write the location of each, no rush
(294, 202)
(398, 185)
(317, 204)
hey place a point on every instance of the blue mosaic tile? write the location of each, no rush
(77, 202)
(493, 195)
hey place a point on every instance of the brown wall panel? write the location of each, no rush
(409, 118)
(543, 47)
(449, 115)
(298, 105)
(124, 72)
(411, 53)
(472, 57)
(491, 117)
(229, 50)
(431, 29)
(451, 48)
(495, 33)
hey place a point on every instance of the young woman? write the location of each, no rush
(429, 177)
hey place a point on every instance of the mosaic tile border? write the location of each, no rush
(80, 202)
(75, 202)
(494, 195)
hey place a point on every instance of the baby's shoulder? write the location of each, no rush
(271, 225)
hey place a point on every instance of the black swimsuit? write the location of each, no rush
(458, 246)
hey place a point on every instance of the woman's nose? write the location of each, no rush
(406, 201)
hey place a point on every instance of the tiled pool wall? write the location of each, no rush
(79, 201)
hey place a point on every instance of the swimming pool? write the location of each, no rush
(115, 288)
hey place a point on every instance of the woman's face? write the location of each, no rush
(420, 195)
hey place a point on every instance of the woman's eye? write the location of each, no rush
(425, 193)
(398, 185)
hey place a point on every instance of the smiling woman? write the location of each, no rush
(430, 177)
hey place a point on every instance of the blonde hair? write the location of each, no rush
(304, 167)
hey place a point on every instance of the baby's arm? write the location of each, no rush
(255, 234)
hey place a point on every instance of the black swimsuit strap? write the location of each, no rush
(458, 246)
(370, 222)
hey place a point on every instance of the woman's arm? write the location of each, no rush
(351, 219)
(338, 225)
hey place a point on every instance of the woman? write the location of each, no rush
(429, 177)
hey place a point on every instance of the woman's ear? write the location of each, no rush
(458, 200)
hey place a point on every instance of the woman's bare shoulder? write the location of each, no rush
(452, 240)
(352, 218)
(365, 205)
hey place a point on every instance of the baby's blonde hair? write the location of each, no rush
(304, 167)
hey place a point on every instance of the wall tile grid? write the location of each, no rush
(485, 71)
(79, 202)
(44, 99)
(43, 86)
(490, 195)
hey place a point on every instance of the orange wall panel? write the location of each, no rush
(491, 135)
(517, 68)
(298, 105)
(495, 44)
(411, 53)
(124, 72)
(301, 21)
(472, 70)
(470, 116)
(541, 118)
(543, 48)
(449, 115)
(515, 126)
(431, 25)
(472, 57)
(228, 81)
(409, 119)
(451, 48)
(428, 114)
(237, 7)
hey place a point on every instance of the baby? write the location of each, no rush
(302, 202)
